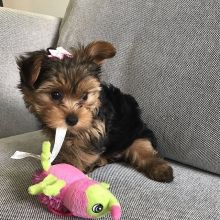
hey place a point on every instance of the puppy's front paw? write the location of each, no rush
(160, 171)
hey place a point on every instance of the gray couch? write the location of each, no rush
(168, 58)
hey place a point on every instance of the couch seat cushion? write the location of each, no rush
(192, 195)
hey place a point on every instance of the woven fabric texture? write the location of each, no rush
(193, 195)
(168, 58)
(20, 32)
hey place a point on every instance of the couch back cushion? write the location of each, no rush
(168, 58)
(20, 32)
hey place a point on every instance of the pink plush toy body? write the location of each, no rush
(65, 190)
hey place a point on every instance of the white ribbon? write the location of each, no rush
(59, 138)
(20, 155)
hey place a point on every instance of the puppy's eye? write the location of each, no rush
(56, 95)
(84, 97)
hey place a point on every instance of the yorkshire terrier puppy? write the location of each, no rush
(104, 125)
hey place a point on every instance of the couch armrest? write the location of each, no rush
(20, 32)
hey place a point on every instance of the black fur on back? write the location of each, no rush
(123, 122)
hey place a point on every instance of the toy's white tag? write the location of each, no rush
(59, 138)
(20, 155)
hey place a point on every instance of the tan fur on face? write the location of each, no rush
(53, 113)
(54, 117)
(85, 119)
(88, 84)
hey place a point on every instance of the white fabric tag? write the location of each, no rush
(20, 155)
(59, 138)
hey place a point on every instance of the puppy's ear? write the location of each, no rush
(30, 67)
(98, 51)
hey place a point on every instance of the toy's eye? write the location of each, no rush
(56, 95)
(97, 208)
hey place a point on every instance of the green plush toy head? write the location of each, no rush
(100, 200)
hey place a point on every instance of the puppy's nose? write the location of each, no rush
(71, 119)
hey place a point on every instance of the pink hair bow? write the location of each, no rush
(59, 53)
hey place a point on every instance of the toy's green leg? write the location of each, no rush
(39, 187)
(45, 155)
(54, 189)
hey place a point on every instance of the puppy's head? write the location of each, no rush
(64, 92)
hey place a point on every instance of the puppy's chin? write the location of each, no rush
(72, 131)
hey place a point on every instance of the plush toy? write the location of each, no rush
(65, 190)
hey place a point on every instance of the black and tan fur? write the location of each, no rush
(104, 125)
